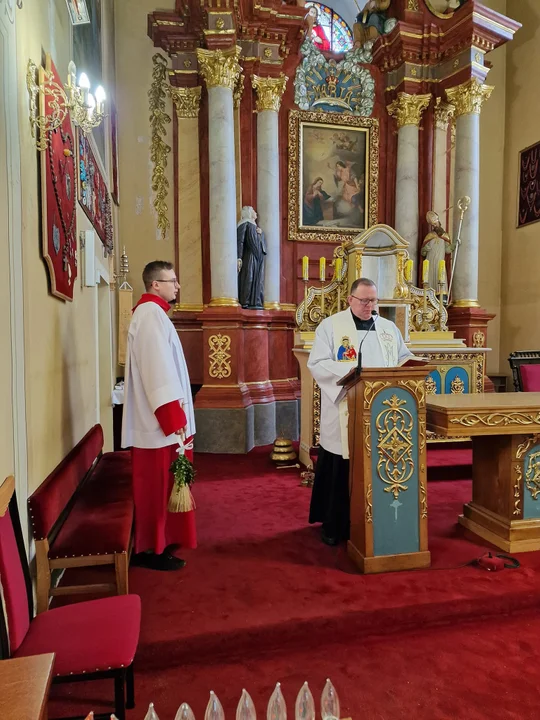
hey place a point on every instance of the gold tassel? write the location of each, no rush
(181, 499)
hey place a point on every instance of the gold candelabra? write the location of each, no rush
(87, 110)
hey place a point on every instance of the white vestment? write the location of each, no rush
(156, 374)
(383, 347)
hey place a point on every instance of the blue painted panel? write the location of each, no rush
(394, 443)
(456, 372)
(436, 376)
(531, 484)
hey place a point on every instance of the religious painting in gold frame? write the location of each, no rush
(333, 175)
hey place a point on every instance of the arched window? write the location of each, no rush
(330, 31)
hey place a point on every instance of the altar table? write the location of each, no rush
(505, 433)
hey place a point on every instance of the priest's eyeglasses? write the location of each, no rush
(174, 280)
(366, 301)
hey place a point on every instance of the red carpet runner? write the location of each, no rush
(263, 600)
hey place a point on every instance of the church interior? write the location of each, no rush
(274, 152)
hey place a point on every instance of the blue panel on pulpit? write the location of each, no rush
(435, 375)
(456, 381)
(531, 484)
(394, 472)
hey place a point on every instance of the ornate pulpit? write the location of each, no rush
(387, 477)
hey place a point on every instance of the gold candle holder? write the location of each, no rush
(305, 324)
(425, 325)
(441, 305)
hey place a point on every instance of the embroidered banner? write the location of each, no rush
(93, 194)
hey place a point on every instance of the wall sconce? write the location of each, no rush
(87, 111)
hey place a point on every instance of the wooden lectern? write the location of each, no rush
(387, 476)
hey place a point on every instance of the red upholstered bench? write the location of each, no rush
(81, 515)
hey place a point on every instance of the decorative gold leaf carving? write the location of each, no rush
(497, 418)
(394, 427)
(219, 356)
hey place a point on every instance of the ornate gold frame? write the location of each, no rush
(338, 235)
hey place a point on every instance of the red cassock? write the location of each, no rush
(155, 526)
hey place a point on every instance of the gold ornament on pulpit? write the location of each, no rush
(283, 453)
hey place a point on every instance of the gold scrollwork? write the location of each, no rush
(369, 504)
(417, 388)
(371, 389)
(457, 386)
(367, 435)
(532, 475)
(269, 91)
(517, 489)
(408, 109)
(159, 149)
(431, 386)
(476, 360)
(186, 101)
(469, 97)
(413, 5)
(526, 445)
(394, 426)
(219, 67)
(238, 91)
(423, 500)
(426, 315)
(478, 339)
(497, 418)
(219, 356)
(316, 414)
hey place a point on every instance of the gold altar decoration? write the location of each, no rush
(444, 112)
(366, 133)
(517, 489)
(282, 451)
(220, 67)
(497, 419)
(408, 109)
(469, 97)
(219, 356)
(269, 91)
(526, 445)
(159, 149)
(479, 339)
(187, 101)
(532, 475)
(395, 465)
(369, 504)
(457, 386)
(427, 313)
(238, 91)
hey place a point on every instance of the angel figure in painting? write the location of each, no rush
(436, 246)
(251, 251)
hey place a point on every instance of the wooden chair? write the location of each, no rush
(517, 360)
(91, 640)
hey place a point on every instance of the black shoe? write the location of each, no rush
(328, 540)
(165, 561)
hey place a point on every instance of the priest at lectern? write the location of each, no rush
(356, 337)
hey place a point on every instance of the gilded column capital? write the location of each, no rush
(444, 112)
(469, 97)
(186, 101)
(408, 109)
(269, 91)
(219, 67)
(238, 91)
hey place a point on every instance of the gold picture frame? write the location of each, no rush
(333, 175)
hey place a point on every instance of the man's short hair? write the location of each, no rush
(153, 271)
(362, 281)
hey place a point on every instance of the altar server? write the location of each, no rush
(338, 341)
(158, 410)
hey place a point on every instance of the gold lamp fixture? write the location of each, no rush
(87, 110)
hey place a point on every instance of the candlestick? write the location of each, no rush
(322, 269)
(305, 325)
(441, 275)
(408, 270)
(338, 265)
(425, 271)
(305, 268)
(442, 285)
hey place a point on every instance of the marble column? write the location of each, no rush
(441, 160)
(187, 102)
(407, 109)
(269, 93)
(220, 70)
(468, 99)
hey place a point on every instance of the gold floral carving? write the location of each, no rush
(269, 91)
(238, 91)
(417, 388)
(371, 389)
(159, 149)
(423, 500)
(457, 386)
(426, 315)
(367, 435)
(476, 360)
(443, 113)
(469, 97)
(369, 504)
(358, 265)
(497, 418)
(186, 101)
(219, 356)
(431, 386)
(395, 445)
(526, 445)
(517, 490)
(478, 339)
(219, 67)
(316, 414)
(413, 5)
(408, 109)
(532, 475)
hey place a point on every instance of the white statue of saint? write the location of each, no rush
(436, 246)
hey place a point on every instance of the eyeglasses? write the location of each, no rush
(174, 280)
(366, 301)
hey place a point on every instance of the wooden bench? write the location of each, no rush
(82, 515)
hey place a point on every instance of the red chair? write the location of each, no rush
(91, 640)
(525, 366)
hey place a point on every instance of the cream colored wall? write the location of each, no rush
(492, 133)
(137, 222)
(62, 372)
(520, 329)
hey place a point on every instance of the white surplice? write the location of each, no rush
(382, 347)
(156, 374)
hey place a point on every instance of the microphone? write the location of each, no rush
(359, 366)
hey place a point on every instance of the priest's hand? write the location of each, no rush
(182, 433)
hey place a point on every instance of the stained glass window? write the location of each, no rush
(330, 31)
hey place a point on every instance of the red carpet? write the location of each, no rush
(263, 600)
